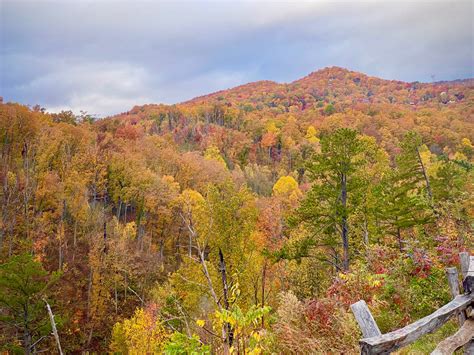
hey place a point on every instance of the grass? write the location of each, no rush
(427, 343)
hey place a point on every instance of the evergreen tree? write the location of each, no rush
(405, 198)
(23, 283)
(338, 182)
(412, 170)
(401, 205)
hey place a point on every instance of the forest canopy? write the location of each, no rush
(244, 221)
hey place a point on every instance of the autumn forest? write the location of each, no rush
(246, 221)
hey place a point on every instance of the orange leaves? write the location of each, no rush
(269, 139)
(129, 132)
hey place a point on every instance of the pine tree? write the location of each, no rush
(337, 176)
(405, 197)
(23, 283)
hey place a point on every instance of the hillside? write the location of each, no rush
(341, 86)
(324, 99)
(247, 219)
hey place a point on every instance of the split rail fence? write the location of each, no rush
(374, 342)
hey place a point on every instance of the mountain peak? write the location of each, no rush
(330, 85)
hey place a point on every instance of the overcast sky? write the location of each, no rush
(105, 56)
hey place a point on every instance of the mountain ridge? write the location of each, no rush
(328, 73)
(329, 86)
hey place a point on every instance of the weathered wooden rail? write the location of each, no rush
(374, 342)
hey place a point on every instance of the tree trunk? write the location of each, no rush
(53, 326)
(74, 241)
(344, 227)
(26, 331)
(264, 275)
(105, 250)
(400, 241)
(89, 294)
(225, 287)
(425, 176)
(119, 209)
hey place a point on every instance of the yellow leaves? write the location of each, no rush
(343, 276)
(192, 197)
(255, 351)
(465, 142)
(130, 230)
(127, 231)
(372, 280)
(459, 156)
(200, 322)
(288, 142)
(170, 182)
(213, 153)
(191, 201)
(245, 325)
(11, 178)
(287, 186)
(272, 128)
(426, 156)
(430, 161)
(141, 334)
(256, 336)
(376, 283)
(311, 135)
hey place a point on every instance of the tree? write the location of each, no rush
(288, 187)
(221, 245)
(400, 206)
(411, 167)
(141, 334)
(213, 153)
(311, 135)
(23, 285)
(336, 174)
(405, 196)
(329, 110)
(182, 344)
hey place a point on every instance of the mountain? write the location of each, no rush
(150, 230)
(337, 84)
(385, 109)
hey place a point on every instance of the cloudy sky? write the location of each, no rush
(105, 56)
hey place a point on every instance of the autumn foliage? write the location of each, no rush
(244, 221)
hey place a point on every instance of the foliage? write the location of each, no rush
(332, 188)
(141, 334)
(181, 344)
(24, 284)
(245, 327)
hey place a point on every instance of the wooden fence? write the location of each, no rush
(374, 342)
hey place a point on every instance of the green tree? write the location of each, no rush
(400, 205)
(23, 285)
(412, 170)
(182, 344)
(337, 176)
(405, 198)
(329, 110)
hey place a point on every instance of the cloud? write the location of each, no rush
(97, 87)
(108, 55)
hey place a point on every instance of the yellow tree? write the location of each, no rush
(220, 228)
(143, 333)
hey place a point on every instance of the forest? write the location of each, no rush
(246, 221)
